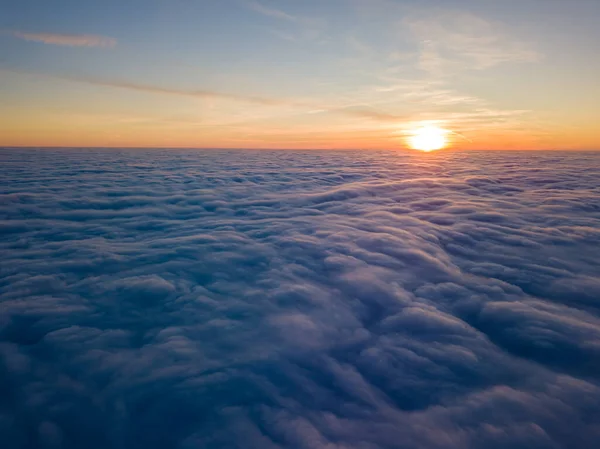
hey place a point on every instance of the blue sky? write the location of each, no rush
(532, 55)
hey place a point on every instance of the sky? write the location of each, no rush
(290, 74)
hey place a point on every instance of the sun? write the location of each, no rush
(428, 138)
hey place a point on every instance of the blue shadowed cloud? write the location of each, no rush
(183, 299)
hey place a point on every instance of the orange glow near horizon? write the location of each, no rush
(52, 128)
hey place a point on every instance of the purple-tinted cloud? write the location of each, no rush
(153, 298)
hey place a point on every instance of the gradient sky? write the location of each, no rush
(299, 74)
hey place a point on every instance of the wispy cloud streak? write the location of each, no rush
(68, 40)
(307, 28)
(458, 41)
(301, 106)
(271, 12)
(194, 93)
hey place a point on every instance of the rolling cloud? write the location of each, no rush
(162, 298)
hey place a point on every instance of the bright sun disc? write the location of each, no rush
(428, 138)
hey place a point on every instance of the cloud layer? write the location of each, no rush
(299, 300)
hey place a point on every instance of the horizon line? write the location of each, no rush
(51, 147)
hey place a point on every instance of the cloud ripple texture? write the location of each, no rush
(310, 300)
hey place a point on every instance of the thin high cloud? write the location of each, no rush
(374, 112)
(363, 111)
(421, 80)
(67, 40)
(199, 93)
(450, 40)
(271, 12)
(307, 28)
(453, 41)
(148, 88)
(406, 87)
(294, 106)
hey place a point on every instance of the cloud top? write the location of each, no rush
(272, 299)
